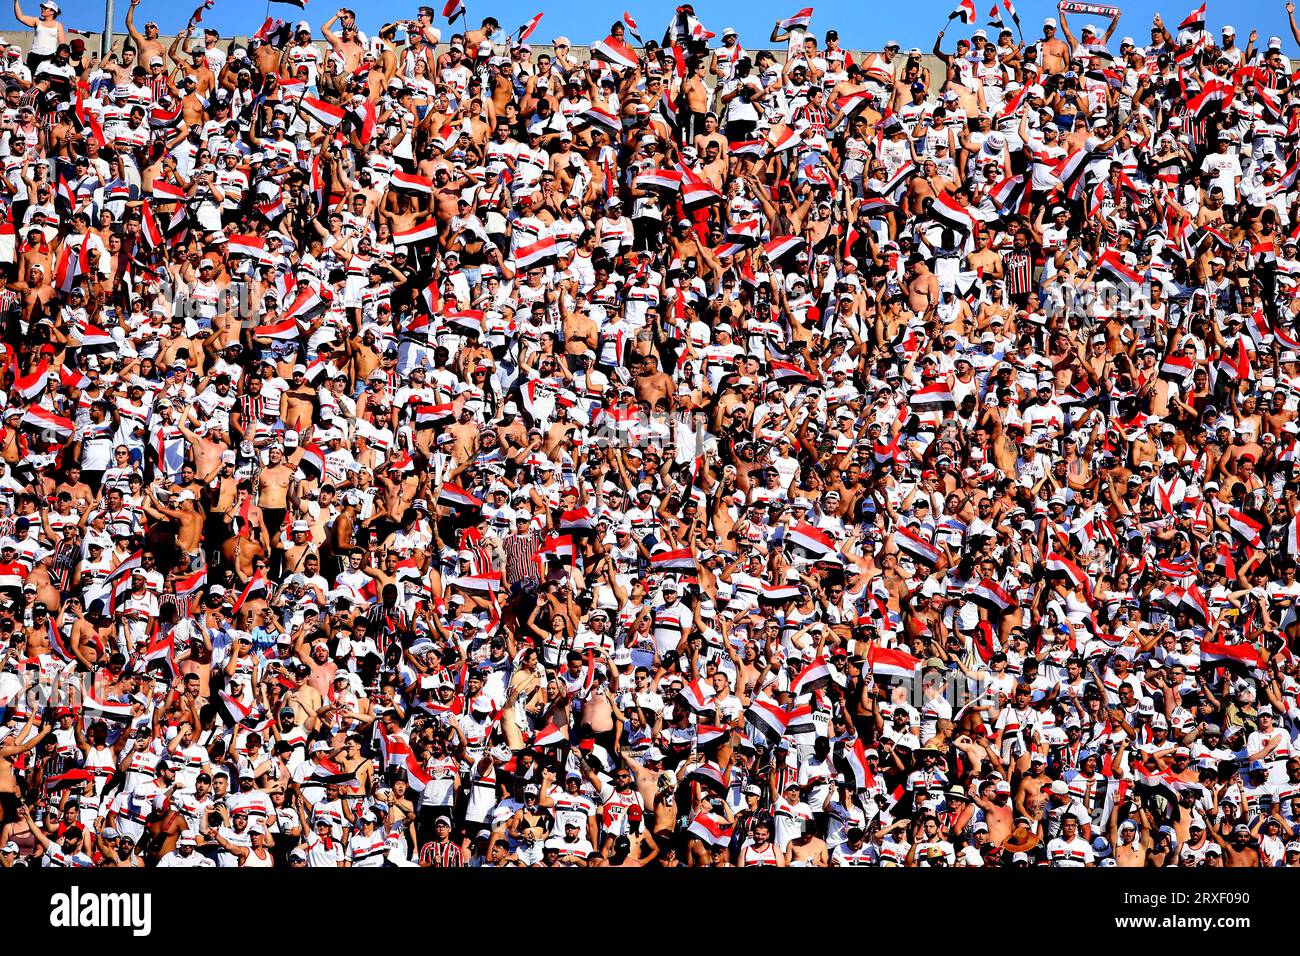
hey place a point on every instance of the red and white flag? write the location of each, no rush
(950, 212)
(161, 654)
(1110, 264)
(94, 709)
(659, 179)
(913, 544)
(191, 583)
(856, 758)
(430, 416)
(457, 497)
(787, 373)
(992, 597)
(313, 458)
(285, 330)
(1177, 368)
(781, 137)
(813, 540)
(769, 716)
(167, 192)
(800, 19)
(712, 830)
(536, 253)
(892, 661)
(149, 228)
(42, 419)
(326, 114)
(934, 397)
(781, 246)
(706, 734)
(480, 583)
(697, 697)
(257, 589)
(579, 519)
(632, 28)
(1244, 527)
(1194, 20)
(682, 559)
(422, 232)
(778, 593)
(616, 53)
(527, 29)
(1242, 654)
(252, 246)
(411, 182)
(30, 386)
(71, 378)
(1059, 565)
(817, 674)
(559, 546)
(550, 736)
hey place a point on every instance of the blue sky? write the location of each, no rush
(915, 22)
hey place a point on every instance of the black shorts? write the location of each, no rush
(8, 807)
(740, 130)
(273, 521)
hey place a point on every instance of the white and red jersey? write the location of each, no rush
(1069, 853)
(751, 855)
(368, 850)
(614, 806)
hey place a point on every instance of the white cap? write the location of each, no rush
(1049, 22)
(1229, 31)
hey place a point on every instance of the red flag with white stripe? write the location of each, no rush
(326, 114)
(616, 53)
(892, 661)
(422, 232)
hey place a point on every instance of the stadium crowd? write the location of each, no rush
(421, 450)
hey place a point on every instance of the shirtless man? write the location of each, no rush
(197, 69)
(273, 488)
(997, 809)
(927, 185)
(1130, 845)
(652, 386)
(808, 849)
(36, 291)
(1053, 52)
(189, 518)
(598, 709)
(922, 285)
(696, 96)
(447, 193)
(148, 45)
(19, 743)
(346, 46)
(298, 403)
(984, 260)
(1240, 849)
